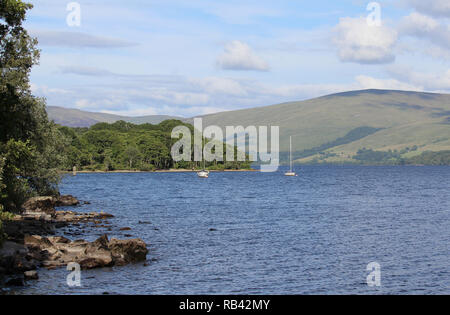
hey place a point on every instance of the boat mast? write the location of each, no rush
(203, 153)
(290, 157)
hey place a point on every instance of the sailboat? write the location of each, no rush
(291, 171)
(203, 173)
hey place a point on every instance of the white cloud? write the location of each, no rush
(239, 56)
(82, 104)
(436, 82)
(43, 89)
(366, 82)
(78, 40)
(148, 111)
(217, 85)
(425, 27)
(358, 42)
(437, 8)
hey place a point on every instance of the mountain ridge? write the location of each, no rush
(401, 120)
(71, 117)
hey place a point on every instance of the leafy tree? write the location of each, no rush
(132, 153)
(127, 146)
(30, 144)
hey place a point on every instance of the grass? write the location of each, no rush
(405, 119)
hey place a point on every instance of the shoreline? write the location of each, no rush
(37, 239)
(159, 171)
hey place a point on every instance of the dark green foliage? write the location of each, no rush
(367, 156)
(30, 145)
(431, 158)
(2, 186)
(125, 146)
(353, 135)
(374, 157)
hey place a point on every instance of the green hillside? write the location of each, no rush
(78, 118)
(324, 128)
(397, 125)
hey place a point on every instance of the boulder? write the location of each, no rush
(40, 205)
(31, 275)
(128, 251)
(93, 263)
(15, 259)
(67, 201)
(58, 251)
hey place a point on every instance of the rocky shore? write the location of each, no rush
(32, 242)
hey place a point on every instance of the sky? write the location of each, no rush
(195, 57)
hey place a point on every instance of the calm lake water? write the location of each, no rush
(312, 234)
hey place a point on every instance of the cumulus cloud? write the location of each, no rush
(78, 40)
(216, 85)
(437, 82)
(426, 27)
(358, 42)
(437, 8)
(366, 82)
(239, 56)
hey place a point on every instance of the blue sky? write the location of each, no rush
(188, 58)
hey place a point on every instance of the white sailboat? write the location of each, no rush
(291, 171)
(203, 173)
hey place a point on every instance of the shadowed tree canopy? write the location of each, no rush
(125, 146)
(29, 143)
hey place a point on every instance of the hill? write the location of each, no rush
(368, 127)
(78, 118)
(334, 128)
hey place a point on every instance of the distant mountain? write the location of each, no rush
(78, 118)
(332, 128)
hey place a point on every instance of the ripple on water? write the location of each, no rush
(313, 234)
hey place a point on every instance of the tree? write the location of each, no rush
(29, 142)
(2, 163)
(132, 154)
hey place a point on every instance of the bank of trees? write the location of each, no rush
(431, 158)
(125, 146)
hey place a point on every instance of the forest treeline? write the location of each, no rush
(126, 146)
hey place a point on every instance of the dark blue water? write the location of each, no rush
(312, 234)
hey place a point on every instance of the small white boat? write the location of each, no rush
(203, 174)
(291, 172)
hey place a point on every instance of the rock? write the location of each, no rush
(31, 242)
(92, 263)
(58, 251)
(37, 241)
(31, 275)
(67, 201)
(15, 259)
(19, 227)
(128, 251)
(40, 204)
(15, 282)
